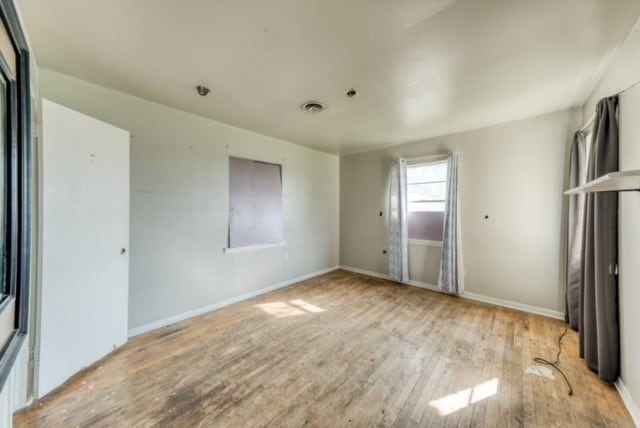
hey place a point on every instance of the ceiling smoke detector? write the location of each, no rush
(313, 107)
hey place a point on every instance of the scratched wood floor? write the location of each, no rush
(338, 350)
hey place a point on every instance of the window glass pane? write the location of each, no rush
(427, 173)
(426, 225)
(426, 206)
(4, 151)
(426, 192)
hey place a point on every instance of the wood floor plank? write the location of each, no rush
(342, 349)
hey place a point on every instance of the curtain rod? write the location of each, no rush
(588, 123)
(593, 116)
(629, 88)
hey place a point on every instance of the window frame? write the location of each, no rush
(443, 160)
(7, 286)
(19, 190)
(228, 249)
(423, 164)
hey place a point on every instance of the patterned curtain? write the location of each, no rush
(398, 229)
(451, 278)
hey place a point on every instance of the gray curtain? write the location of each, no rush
(598, 323)
(398, 229)
(451, 277)
(577, 177)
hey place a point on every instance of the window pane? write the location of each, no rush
(426, 225)
(426, 192)
(427, 173)
(426, 206)
(4, 151)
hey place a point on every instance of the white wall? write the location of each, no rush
(624, 72)
(179, 203)
(513, 172)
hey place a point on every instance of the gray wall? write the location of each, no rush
(179, 203)
(513, 172)
(625, 71)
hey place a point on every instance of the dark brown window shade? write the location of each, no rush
(255, 203)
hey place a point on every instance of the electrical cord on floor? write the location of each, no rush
(554, 364)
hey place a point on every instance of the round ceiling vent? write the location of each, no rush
(313, 107)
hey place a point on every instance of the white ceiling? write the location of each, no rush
(423, 68)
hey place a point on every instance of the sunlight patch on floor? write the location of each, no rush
(459, 400)
(280, 309)
(292, 308)
(306, 306)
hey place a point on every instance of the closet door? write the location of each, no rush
(85, 238)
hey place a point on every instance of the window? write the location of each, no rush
(255, 203)
(426, 193)
(4, 191)
(7, 129)
(15, 190)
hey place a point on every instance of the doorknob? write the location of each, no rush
(123, 250)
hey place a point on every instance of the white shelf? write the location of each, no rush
(613, 182)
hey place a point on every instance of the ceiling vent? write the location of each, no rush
(313, 107)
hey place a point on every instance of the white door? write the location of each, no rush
(85, 240)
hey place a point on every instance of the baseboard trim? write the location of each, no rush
(515, 305)
(195, 312)
(365, 272)
(632, 407)
(471, 296)
(424, 285)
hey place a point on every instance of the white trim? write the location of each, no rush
(427, 160)
(471, 296)
(248, 154)
(423, 285)
(365, 272)
(425, 242)
(515, 305)
(252, 247)
(195, 312)
(627, 399)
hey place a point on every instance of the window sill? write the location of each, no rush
(252, 247)
(4, 301)
(424, 242)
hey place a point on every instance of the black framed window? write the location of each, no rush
(5, 290)
(15, 187)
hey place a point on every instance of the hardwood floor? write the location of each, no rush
(338, 350)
